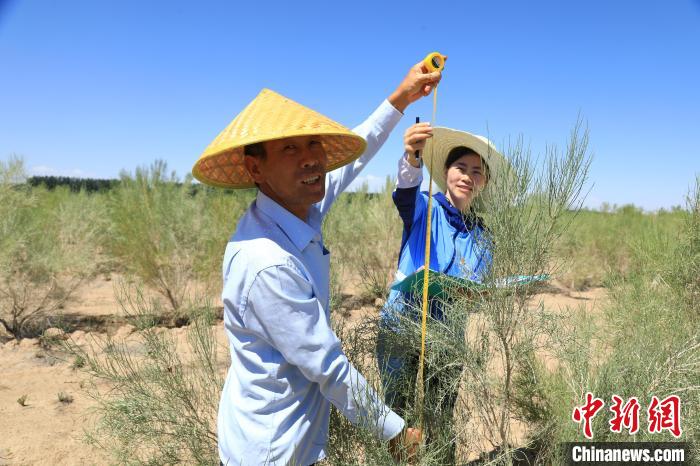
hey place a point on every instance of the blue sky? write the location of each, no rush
(92, 87)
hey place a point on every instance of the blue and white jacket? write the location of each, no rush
(457, 245)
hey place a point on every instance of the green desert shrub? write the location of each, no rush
(646, 343)
(48, 244)
(684, 272)
(527, 215)
(602, 243)
(157, 400)
(169, 237)
(362, 231)
(220, 211)
(348, 444)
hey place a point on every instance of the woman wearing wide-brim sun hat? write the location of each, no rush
(467, 168)
(446, 140)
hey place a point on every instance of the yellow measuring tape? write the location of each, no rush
(433, 62)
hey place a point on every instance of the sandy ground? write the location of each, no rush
(47, 431)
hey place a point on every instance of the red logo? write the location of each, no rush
(626, 416)
(587, 412)
(665, 415)
(662, 415)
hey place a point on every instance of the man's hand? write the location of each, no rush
(414, 140)
(417, 83)
(404, 447)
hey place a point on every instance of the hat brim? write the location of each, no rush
(226, 168)
(438, 147)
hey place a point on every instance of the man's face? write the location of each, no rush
(293, 173)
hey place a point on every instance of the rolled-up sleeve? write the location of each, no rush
(282, 308)
(408, 175)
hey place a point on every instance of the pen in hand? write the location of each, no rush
(417, 152)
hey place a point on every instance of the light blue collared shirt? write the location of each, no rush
(287, 365)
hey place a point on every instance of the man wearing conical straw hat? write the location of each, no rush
(287, 365)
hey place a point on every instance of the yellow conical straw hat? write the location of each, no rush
(271, 116)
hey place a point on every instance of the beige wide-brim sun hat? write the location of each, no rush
(438, 147)
(271, 116)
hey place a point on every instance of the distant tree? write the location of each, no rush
(89, 185)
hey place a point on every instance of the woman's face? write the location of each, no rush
(465, 179)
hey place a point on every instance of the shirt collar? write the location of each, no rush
(298, 231)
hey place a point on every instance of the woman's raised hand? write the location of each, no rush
(414, 140)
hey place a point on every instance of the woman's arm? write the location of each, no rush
(407, 191)
(410, 175)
